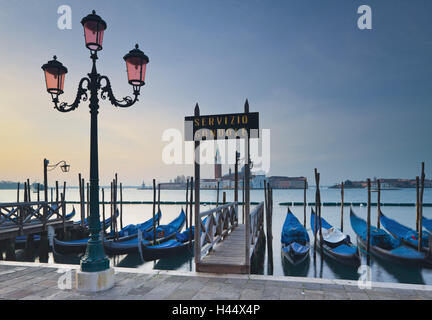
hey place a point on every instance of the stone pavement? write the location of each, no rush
(43, 282)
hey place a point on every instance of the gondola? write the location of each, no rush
(407, 235)
(178, 245)
(385, 246)
(144, 239)
(335, 244)
(20, 241)
(126, 233)
(427, 224)
(294, 239)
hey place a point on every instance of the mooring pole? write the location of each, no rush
(304, 202)
(417, 202)
(159, 189)
(217, 194)
(247, 190)
(379, 204)
(368, 217)
(121, 205)
(18, 192)
(236, 180)
(154, 208)
(197, 252)
(187, 204)
(342, 205)
(103, 212)
(45, 166)
(191, 211)
(421, 209)
(316, 207)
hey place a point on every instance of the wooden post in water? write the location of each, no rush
(379, 204)
(154, 208)
(38, 192)
(342, 205)
(64, 191)
(63, 207)
(197, 230)
(224, 197)
(18, 192)
(243, 199)
(111, 208)
(316, 207)
(236, 180)
(57, 192)
(159, 189)
(368, 217)
(25, 192)
(187, 203)
(217, 194)
(191, 212)
(304, 202)
(121, 205)
(417, 202)
(319, 210)
(88, 201)
(247, 191)
(422, 179)
(103, 213)
(269, 216)
(81, 199)
(29, 191)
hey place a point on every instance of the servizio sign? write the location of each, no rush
(222, 126)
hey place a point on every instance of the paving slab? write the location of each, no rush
(36, 281)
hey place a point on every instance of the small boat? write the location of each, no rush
(385, 246)
(294, 239)
(20, 241)
(407, 235)
(335, 244)
(427, 224)
(178, 245)
(146, 238)
(79, 246)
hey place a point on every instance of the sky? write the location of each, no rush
(352, 103)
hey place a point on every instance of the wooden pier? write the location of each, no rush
(25, 218)
(224, 246)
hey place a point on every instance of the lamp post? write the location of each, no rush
(47, 167)
(95, 261)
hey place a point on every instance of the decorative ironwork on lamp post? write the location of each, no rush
(95, 259)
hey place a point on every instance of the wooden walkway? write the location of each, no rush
(228, 256)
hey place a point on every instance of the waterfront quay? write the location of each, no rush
(37, 281)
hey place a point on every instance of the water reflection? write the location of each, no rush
(300, 270)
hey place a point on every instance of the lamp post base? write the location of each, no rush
(95, 281)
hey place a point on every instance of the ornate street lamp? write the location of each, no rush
(95, 261)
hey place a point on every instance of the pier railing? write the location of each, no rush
(215, 225)
(256, 223)
(21, 218)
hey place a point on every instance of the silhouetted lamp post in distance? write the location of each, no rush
(95, 259)
(47, 167)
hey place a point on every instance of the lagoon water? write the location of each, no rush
(316, 267)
